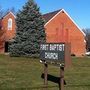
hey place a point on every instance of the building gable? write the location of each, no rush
(55, 14)
(49, 16)
(9, 26)
(9, 14)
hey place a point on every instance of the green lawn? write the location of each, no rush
(17, 73)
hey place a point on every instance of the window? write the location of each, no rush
(9, 24)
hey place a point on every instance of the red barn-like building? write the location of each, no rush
(8, 26)
(59, 27)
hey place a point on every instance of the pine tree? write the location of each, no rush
(29, 33)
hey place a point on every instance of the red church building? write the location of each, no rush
(8, 26)
(59, 27)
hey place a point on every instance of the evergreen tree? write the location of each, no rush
(29, 33)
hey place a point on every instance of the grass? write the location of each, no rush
(18, 73)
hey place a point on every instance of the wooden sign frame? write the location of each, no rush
(62, 65)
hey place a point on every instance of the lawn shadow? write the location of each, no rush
(53, 79)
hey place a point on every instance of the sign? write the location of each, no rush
(52, 51)
(57, 54)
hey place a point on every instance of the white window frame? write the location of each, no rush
(9, 24)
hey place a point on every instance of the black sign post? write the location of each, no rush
(45, 75)
(53, 52)
(61, 78)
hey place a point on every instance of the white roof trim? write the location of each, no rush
(52, 18)
(84, 41)
(74, 23)
(70, 19)
(8, 14)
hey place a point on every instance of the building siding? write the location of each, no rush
(59, 29)
(62, 29)
(9, 34)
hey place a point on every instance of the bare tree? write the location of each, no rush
(2, 38)
(87, 32)
(1, 12)
(10, 9)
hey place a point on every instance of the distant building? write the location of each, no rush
(59, 27)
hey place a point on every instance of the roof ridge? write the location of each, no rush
(50, 15)
(9, 13)
(53, 11)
